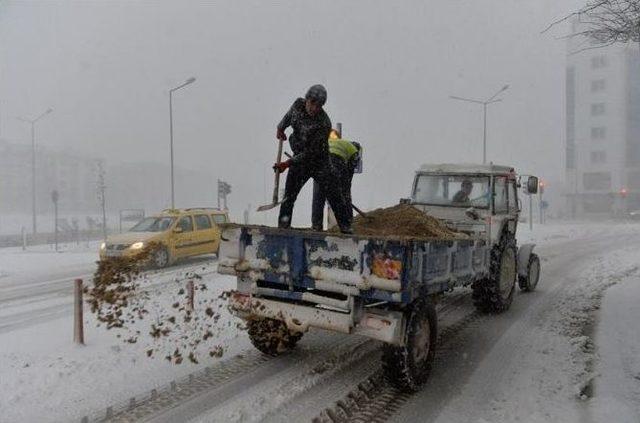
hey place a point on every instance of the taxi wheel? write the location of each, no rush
(161, 258)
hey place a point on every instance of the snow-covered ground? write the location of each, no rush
(538, 362)
(45, 377)
(617, 382)
(39, 259)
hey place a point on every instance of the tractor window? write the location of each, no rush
(452, 190)
(500, 194)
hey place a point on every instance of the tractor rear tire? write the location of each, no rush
(495, 294)
(272, 337)
(408, 367)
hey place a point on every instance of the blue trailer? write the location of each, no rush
(384, 288)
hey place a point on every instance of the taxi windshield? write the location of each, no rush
(154, 224)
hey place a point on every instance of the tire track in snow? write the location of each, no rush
(214, 388)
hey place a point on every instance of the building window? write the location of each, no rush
(598, 62)
(598, 133)
(598, 157)
(633, 180)
(594, 181)
(597, 109)
(597, 85)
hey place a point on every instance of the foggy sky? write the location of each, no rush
(389, 67)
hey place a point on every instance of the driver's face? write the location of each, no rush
(312, 107)
(467, 188)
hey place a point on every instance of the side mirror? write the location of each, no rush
(177, 230)
(532, 185)
(405, 201)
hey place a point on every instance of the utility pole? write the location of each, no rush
(54, 198)
(484, 103)
(540, 192)
(102, 198)
(33, 165)
(218, 194)
(530, 212)
(184, 84)
(223, 190)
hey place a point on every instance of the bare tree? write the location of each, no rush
(606, 22)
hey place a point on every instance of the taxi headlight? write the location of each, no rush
(137, 245)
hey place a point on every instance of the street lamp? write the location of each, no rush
(184, 84)
(33, 164)
(484, 103)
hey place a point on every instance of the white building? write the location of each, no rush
(73, 176)
(603, 129)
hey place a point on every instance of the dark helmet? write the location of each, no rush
(317, 94)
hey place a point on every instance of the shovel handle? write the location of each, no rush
(276, 182)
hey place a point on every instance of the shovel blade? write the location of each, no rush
(268, 207)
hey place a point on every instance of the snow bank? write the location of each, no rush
(45, 377)
(617, 384)
(41, 259)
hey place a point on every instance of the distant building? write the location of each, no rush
(148, 186)
(128, 186)
(73, 176)
(602, 129)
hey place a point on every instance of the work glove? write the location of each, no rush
(282, 166)
(281, 135)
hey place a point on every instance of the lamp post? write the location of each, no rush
(184, 84)
(33, 164)
(484, 103)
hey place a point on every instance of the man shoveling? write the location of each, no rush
(344, 157)
(308, 141)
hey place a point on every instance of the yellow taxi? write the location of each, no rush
(174, 233)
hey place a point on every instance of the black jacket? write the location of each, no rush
(310, 134)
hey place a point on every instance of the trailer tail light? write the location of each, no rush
(385, 267)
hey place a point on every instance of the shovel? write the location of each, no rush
(360, 212)
(276, 183)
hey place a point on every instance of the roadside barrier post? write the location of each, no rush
(190, 295)
(78, 320)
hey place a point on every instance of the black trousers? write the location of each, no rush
(341, 178)
(297, 176)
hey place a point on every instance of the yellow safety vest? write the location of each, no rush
(342, 148)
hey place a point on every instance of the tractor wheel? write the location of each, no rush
(407, 367)
(272, 337)
(528, 283)
(495, 294)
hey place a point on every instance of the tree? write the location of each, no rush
(607, 21)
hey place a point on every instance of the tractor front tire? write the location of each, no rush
(528, 283)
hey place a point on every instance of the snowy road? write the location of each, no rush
(525, 365)
(535, 363)
(38, 284)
